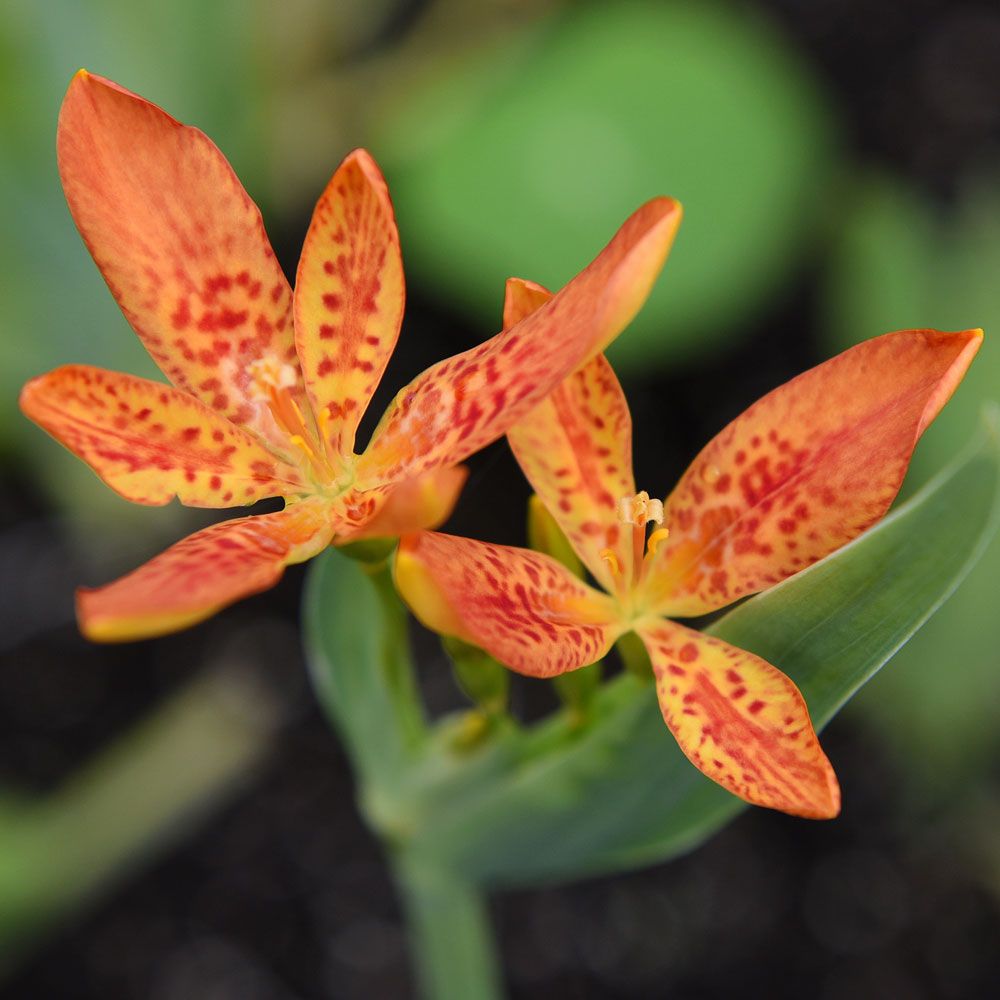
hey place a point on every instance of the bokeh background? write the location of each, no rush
(175, 819)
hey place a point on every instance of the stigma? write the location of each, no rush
(640, 509)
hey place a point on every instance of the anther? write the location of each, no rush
(300, 442)
(612, 560)
(656, 539)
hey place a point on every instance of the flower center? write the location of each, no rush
(639, 511)
(272, 382)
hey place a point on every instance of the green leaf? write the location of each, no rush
(620, 794)
(522, 157)
(900, 261)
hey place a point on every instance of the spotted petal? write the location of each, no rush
(150, 443)
(740, 721)
(575, 448)
(348, 297)
(180, 244)
(204, 573)
(522, 607)
(462, 404)
(414, 505)
(804, 470)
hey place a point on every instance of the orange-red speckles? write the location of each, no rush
(180, 318)
(688, 653)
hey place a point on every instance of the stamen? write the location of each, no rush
(640, 510)
(271, 382)
(300, 442)
(298, 412)
(612, 560)
(656, 539)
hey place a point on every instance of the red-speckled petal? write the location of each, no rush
(576, 450)
(522, 607)
(462, 404)
(804, 470)
(150, 442)
(180, 244)
(740, 721)
(348, 297)
(414, 505)
(204, 573)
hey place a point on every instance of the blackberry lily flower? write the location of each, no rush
(802, 472)
(269, 386)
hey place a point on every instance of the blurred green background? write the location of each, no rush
(837, 164)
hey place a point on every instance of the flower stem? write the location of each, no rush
(450, 933)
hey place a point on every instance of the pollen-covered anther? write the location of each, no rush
(640, 510)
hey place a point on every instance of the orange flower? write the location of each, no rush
(799, 474)
(270, 385)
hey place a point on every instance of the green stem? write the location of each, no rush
(450, 933)
(362, 669)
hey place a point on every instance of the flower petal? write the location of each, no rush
(204, 573)
(522, 607)
(180, 244)
(462, 404)
(348, 297)
(804, 470)
(150, 442)
(414, 505)
(575, 448)
(740, 721)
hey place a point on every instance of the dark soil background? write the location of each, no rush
(284, 894)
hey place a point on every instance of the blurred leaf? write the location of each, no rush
(130, 803)
(56, 308)
(902, 263)
(524, 157)
(560, 800)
